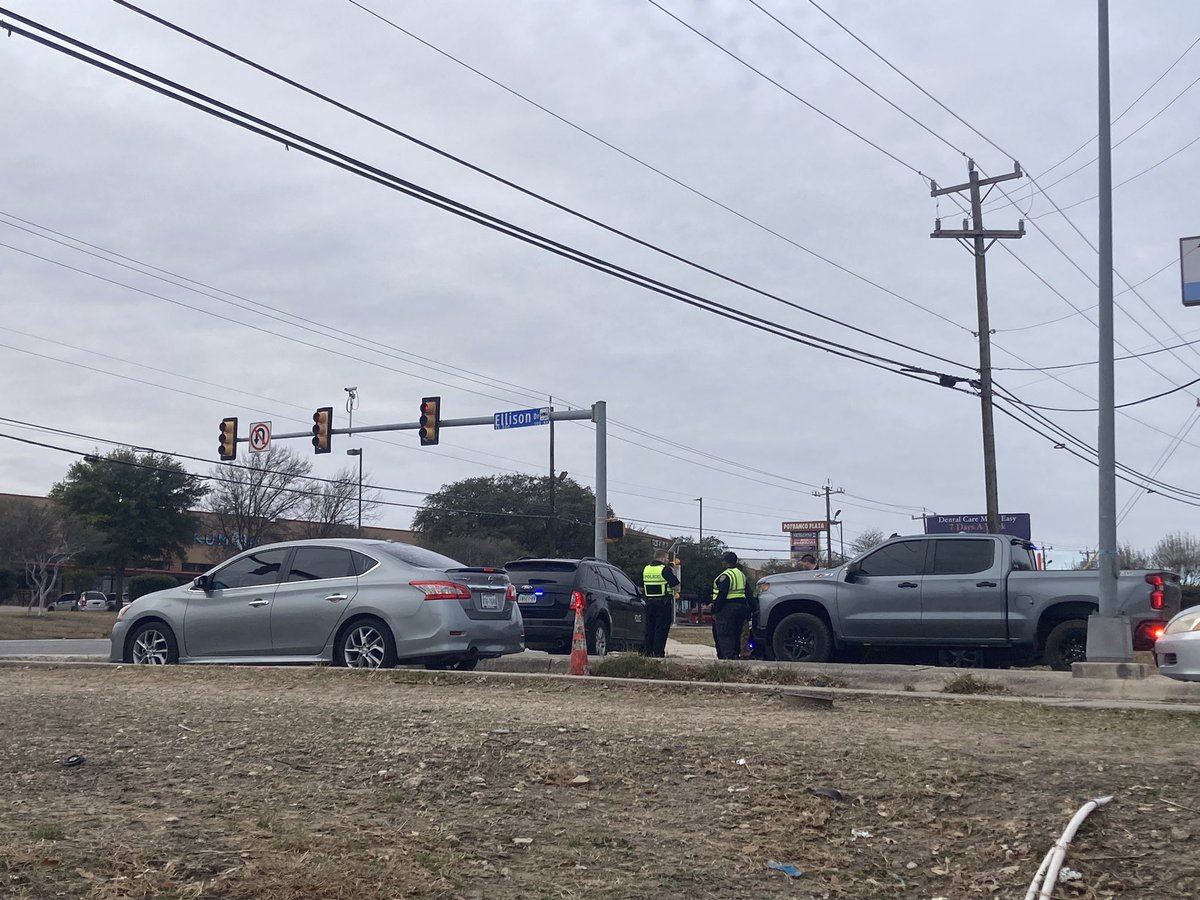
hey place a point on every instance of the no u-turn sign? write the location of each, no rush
(260, 436)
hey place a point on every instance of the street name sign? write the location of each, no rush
(521, 418)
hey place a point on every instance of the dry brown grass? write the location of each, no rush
(20, 624)
(283, 783)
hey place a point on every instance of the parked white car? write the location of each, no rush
(93, 600)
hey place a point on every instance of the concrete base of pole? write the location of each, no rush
(1109, 639)
(1128, 671)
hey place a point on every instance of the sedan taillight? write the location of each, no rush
(510, 594)
(442, 590)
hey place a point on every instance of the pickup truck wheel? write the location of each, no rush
(1066, 644)
(801, 637)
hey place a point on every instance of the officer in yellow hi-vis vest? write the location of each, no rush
(731, 608)
(659, 584)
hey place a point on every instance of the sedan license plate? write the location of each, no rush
(491, 601)
(526, 598)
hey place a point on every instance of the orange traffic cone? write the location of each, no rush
(579, 656)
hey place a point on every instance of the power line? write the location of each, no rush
(846, 71)
(1121, 115)
(291, 140)
(827, 116)
(1166, 393)
(895, 69)
(520, 188)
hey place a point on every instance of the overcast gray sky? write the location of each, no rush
(317, 279)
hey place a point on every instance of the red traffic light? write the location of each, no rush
(431, 420)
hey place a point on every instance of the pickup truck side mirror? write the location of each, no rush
(201, 583)
(851, 573)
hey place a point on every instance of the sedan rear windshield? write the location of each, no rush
(417, 556)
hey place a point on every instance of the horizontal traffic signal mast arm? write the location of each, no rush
(556, 415)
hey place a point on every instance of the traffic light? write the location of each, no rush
(228, 445)
(431, 420)
(322, 429)
(614, 530)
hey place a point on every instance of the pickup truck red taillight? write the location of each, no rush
(1156, 590)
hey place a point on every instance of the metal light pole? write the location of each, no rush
(700, 500)
(358, 452)
(1108, 635)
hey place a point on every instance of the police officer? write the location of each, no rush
(731, 608)
(659, 582)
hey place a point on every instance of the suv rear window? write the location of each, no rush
(542, 571)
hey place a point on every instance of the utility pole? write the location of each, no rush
(553, 479)
(828, 489)
(978, 247)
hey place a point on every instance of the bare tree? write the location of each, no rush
(249, 500)
(331, 509)
(869, 539)
(41, 538)
(1179, 552)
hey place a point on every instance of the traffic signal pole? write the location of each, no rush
(597, 415)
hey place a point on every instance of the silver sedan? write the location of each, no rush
(358, 603)
(1177, 651)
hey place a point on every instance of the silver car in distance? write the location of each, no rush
(350, 602)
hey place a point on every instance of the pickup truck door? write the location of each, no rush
(963, 593)
(883, 602)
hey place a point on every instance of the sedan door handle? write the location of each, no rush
(908, 584)
(334, 598)
(258, 602)
(985, 584)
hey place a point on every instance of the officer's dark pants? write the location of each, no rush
(728, 622)
(659, 615)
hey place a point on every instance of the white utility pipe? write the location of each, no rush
(1047, 872)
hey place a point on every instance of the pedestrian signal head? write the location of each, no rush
(614, 530)
(228, 446)
(322, 429)
(431, 420)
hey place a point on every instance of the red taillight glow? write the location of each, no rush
(442, 590)
(511, 593)
(1158, 632)
(1156, 591)
(578, 601)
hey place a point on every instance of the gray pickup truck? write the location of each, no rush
(973, 599)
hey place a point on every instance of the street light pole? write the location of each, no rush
(700, 500)
(358, 452)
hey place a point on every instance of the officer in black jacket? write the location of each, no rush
(731, 608)
(659, 582)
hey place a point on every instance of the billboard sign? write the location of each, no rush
(803, 542)
(1015, 524)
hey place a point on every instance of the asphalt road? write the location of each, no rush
(55, 647)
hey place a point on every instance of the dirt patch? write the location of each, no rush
(310, 782)
(21, 624)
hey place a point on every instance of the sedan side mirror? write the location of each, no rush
(201, 583)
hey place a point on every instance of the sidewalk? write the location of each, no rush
(689, 651)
